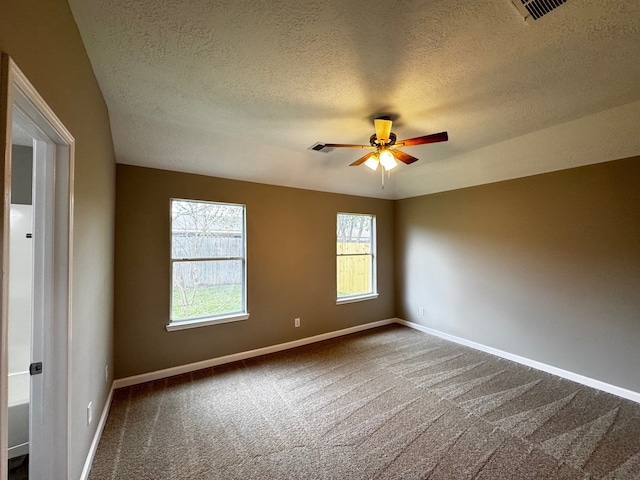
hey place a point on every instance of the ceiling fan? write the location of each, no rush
(385, 146)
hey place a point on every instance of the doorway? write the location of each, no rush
(21, 347)
(36, 246)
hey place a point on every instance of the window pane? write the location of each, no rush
(354, 275)
(206, 230)
(354, 233)
(206, 288)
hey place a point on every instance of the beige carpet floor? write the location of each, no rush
(388, 403)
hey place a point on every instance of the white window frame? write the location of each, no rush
(374, 273)
(209, 319)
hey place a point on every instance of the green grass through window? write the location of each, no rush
(207, 301)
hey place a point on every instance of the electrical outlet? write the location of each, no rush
(89, 414)
(106, 374)
(421, 310)
(296, 322)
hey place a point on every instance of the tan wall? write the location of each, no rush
(546, 267)
(43, 40)
(291, 247)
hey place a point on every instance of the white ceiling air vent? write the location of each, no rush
(534, 9)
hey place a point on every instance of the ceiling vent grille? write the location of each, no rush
(534, 9)
(319, 147)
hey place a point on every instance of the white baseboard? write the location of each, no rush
(169, 372)
(191, 367)
(96, 437)
(589, 382)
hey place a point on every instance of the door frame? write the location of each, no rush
(15, 89)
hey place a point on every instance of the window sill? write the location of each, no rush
(359, 298)
(205, 322)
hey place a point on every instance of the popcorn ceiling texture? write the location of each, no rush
(241, 89)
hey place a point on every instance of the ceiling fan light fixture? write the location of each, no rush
(387, 160)
(385, 146)
(372, 162)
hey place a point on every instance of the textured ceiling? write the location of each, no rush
(241, 89)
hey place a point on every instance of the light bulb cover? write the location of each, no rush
(372, 162)
(387, 160)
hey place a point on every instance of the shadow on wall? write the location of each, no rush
(547, 267)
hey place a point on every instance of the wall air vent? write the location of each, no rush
(534, 9)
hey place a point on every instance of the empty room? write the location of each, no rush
(322, 239)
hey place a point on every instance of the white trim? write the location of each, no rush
(191, 367)
(5, 165)
(575, 377)
(18, 450)
(208, 320)
(96, 437)
(169, 372)
(373, 242)
(204, 322)
(354, 299)
(16, 92)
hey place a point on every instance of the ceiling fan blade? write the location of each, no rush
(383, 129)
(345, 145)
(434, 138)
(361, 160)
(404, 157)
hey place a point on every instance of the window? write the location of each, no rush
(356, 264)
(208, 263)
